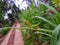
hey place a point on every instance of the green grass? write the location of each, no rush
(39, 26)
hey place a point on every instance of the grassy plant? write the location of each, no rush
(38, 27)
(38, 16)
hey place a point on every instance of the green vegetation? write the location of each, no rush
(40, 25)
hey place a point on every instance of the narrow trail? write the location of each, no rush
(14, 36)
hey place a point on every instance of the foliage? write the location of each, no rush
(55, 39)
(40, 26)
(56, 3)
(51, 20)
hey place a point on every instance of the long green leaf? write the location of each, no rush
(58, 42)
(51, 8)
(46, 20)
(55, 35)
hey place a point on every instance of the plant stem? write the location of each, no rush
(27, 28)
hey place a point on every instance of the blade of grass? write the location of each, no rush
(51, 8)
(27, 28)
(43, 33)
(45, 20)
(58, 43)
(55, 35)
